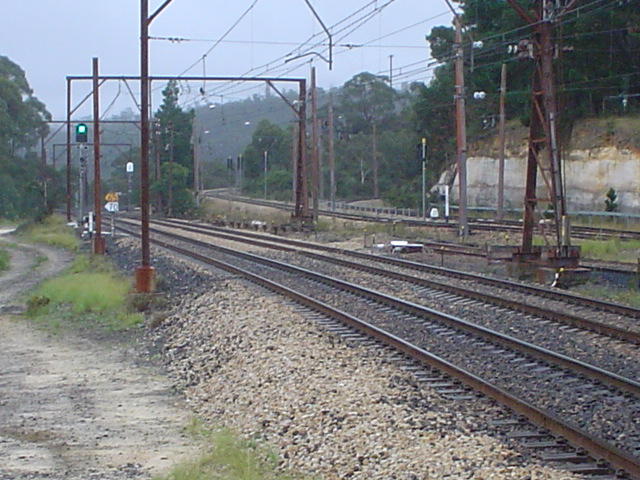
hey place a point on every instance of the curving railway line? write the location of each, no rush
(578, 381)
(395, 216)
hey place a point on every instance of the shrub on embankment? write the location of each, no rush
(4, 259)
(90, 292)
(52, 230)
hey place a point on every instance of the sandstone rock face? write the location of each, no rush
(588, 175)
(602, 153)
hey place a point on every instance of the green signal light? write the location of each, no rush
(82, 128)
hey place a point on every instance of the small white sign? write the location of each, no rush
(434, 213)
(112, 207)
(129, 167)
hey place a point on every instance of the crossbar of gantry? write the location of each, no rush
(301, 211)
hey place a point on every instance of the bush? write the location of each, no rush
(4, 259)
(90, 290)
(611, 201)
(51, 230)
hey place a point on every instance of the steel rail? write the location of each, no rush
(606, 377)
(585, 232)
(576, 436)
(474, 277)
(551, 314)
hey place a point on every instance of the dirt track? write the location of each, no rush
(74, 408)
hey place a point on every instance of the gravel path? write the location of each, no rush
(252, 362)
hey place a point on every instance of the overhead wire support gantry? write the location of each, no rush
(544, 154)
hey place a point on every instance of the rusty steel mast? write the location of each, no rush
(544, 150)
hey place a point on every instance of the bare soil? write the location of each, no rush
(73, 407)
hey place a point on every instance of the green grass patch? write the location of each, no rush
(618, 295)
(53, 230)
(226, 456)
(90, 292)
(5, 258)
(611, 249)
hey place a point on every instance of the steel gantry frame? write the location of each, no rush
(544, 151)
(300, 181)
(299, 108)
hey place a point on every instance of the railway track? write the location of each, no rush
(584, 305)
(569, 397)
(515, 226)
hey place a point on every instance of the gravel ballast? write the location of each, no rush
(249, 361)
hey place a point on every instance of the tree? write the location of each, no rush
(22, 122)
(611, 201)
(276, 141)
(174, 131)
(366, 103)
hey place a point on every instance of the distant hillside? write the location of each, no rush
(231, 125)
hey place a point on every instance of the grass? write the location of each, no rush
(629, 296)
(90, 292)
(611, 249)
(4, 259)
(226, 456)
(53, 230)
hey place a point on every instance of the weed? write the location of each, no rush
(53, 231)
(610, 249)
(4, 259)
(89, 292)
(626, 296)
(226, 456)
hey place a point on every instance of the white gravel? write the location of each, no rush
(251, 362)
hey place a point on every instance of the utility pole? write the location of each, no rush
(374, 148)
(265, 173)
(461, 132)
(315, 163)
(69, 151)
(170, 201)
(423, 155)
(332, 158)
(145, 272)
(196, 161)
(98, 240)
(391, 71)
(158, 170)
(294, 159)
(302, 199)
(503, 93)
(43, 168)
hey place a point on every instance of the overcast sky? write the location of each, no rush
(51, 39)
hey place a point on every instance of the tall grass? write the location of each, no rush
(52, 230)
(4, 259)
(90, 291)
(611, 249)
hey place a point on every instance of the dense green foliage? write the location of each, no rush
(611, 201)
(597, 73)
(173, 145)
(26, 188)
